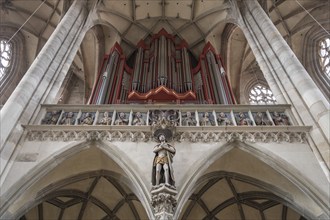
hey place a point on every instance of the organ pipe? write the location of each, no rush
(162, 73)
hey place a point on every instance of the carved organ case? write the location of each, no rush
(162, 72)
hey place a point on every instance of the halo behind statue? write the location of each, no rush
(166, 132)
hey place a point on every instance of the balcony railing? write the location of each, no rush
(192, 122)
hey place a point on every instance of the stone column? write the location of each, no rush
(42, 78)
(286, 76)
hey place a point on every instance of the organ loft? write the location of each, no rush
(164, 110)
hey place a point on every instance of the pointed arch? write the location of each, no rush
(46, 179)
(283, 180)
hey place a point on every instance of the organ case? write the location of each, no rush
(162, 72)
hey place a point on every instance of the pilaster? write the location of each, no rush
(287, 78)
(38, 82)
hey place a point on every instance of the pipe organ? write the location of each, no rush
(162, 72)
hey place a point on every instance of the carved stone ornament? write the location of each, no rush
(164, 118)
(47, 134)
(163, 202)
(164, 122)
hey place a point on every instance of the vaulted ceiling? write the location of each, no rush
(194, 21)
(232, 197)
(94, 195)
(128, 21)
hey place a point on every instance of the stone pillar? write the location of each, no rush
(42, 78)
(286, 76)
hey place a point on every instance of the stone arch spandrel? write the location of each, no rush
(274, 174)
(85, 157)
(138, 164)
(192, 158)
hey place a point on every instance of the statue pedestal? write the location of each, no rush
(163, 201)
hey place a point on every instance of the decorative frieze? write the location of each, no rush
(197, 115)
(197, 123)
(245, 136)
(79, 133)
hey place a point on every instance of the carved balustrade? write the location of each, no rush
(192, 122)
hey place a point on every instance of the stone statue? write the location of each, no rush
(162, 172)
(106, 120)
(243, 120)
(138, 119)
(86, 119)
(189, 120)
(68, 119)
(164, 118)
(223, 120)
(121, 120)
(261, 119)
(280, 119)
(51, 118)
(206, 120)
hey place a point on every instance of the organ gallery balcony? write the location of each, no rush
(266, 123)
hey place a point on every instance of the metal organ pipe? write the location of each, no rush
(162, 78)
(150, 74)
(225, 85)
(163, 61)
(102, 87)
(174, 78)
(172, 66)
(106, 80)
(169, 83)
(113, 75)
(137, 70)
(120, 76)
(206, 80)
(187, 67)
(156, 64)
(221, 94)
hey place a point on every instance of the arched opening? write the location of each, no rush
(261, 94)
(225, 195)
(241, 182)
(92, 195)
(82, 182)
(12, 63)
(236, 51)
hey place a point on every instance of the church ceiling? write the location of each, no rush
(195, 21)
(129, 21)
